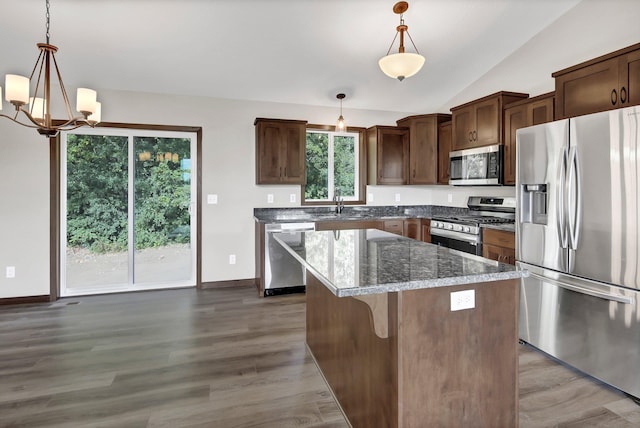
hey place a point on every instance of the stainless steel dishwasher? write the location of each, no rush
(283, 274)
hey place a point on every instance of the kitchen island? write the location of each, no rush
(397, 342)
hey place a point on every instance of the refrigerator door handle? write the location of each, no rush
(575, 212)
(584, 290)
(561, 217)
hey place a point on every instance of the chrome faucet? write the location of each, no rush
(337, 198)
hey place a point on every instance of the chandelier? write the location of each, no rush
(37, 107)
(402, 64)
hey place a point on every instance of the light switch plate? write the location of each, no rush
(270, 198)
(11, 271)
(449, 197)
(370, 197)
(463, 300)
(232, 259)
(292, 197)
(212, 199)
(397, 197)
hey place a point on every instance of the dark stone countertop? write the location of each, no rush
(370, 261)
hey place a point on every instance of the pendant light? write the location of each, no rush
(341, 126)
(38, 112)
(402, 64)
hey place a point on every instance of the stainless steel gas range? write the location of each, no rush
(464, 232)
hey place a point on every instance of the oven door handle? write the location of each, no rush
(471, 239)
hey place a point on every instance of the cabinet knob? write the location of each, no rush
(470, 136)
(623, 95)
(614, 97)
(414, 173)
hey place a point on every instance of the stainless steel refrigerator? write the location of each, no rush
(577, 231)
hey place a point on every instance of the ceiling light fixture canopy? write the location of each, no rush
(341, 126)
(37, 107)
(402, 64)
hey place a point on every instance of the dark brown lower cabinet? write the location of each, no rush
(404, 359)
(499, 245)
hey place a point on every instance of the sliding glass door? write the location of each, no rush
(128, 210)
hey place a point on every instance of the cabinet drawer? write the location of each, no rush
(501, 238)
(394, 226)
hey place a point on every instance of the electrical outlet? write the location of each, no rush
(212, 199)
(270, 198)
(232, 259)
(449, 197)
(463, 300)
(397, 197)
(11, 271)
(292, 197)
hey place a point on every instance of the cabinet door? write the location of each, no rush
(464, 126)
(394, 226)
(412, 229)
(540, 111)
(488, 123)
(501, 254)
(514, 119)
(423, 151)
(588, 90)
(426, 229)
(393, 150)
(293, 154)
(268, 151)
(630, 79)
(444, 147)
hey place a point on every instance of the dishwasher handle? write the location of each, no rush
(289, 227)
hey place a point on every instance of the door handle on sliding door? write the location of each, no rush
(575, 215)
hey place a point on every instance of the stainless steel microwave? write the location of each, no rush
(480, 166)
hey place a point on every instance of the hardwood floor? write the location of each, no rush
(214, 358)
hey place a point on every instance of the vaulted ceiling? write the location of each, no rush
(290, 51)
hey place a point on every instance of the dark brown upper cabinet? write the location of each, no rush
(444, 147)
(388, 155)
(528, 112)
(280, 151)
(479, 122)
(423, 146)
(605, 83)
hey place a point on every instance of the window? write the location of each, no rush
(333, 163)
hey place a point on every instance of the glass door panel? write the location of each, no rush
(162, 210)
(97, 212)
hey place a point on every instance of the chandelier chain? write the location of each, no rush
(48, 16)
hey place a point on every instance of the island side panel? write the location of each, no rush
(360, 367)
(459, 368)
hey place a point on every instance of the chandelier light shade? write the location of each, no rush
(36, 106)
(402, 64)
(341, 126)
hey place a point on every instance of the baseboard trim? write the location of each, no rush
(231, 283)
(24, 300)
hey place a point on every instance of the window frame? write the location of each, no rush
(361, 188)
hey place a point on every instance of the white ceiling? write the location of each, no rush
(290, 51)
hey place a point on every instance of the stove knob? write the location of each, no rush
(457, 228)
(449, 226)
(439, 224)
(466, 229)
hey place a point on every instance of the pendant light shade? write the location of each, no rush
(341, 126)
(402, 64)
